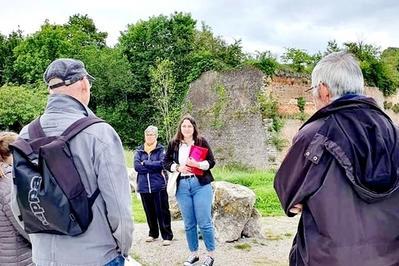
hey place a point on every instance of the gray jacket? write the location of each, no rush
(98, 156)
(14, 247)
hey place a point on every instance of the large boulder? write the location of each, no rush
(132, 178)
(234, 214)
(253, 227)
(174, 209)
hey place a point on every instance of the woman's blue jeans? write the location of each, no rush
(195, 202)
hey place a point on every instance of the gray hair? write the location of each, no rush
(340, 72)
(152, 129)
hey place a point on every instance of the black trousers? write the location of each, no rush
(156, 207)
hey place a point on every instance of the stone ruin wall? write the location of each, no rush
(225, 106)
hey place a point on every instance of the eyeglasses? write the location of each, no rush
(90, 82)
(311, 88)
(88, 79)
(316, 86)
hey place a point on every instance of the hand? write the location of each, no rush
(297, 208)
(184, 169)
(192, 162)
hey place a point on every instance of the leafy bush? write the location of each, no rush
(269, 109)
(278, 142)
(387, 105)
(20, 105)
(395, 108)
(264, 61)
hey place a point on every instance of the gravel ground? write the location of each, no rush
(272, 250)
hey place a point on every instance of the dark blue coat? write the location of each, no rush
(150, 176)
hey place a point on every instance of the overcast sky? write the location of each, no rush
(260, 24)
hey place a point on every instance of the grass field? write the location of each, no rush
(260, 181)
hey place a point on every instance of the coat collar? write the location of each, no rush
(65, 103)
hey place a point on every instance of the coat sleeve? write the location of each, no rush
(209, 157)
(168, 158)
(299, 176)
(141, 169)
(113, 183)
(156, 165)
(8, 211)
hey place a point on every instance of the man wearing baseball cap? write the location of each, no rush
(98, 156)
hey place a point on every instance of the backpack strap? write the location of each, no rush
(79, 125)
(93, 197)
(35, 130)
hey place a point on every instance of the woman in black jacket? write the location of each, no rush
(151, 184)
(194, 192)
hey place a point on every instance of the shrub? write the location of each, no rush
(20, 105)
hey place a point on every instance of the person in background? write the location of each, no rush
(342, 173)
(151, 184)
(15, 248)
(194, 193)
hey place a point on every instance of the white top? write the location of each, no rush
(184, 151)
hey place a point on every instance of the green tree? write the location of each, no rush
(162, 93)
(85, 31)
(375, 71)
(298, 59)
(3, 56)
(159, 38)
(53, 41)
(264, 61)
(332, 46)
(7, 58)
(38, 50)
(213, 53)
(390, 61)
(112, 96)
(20, 105)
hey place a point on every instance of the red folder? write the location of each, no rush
(199, 154)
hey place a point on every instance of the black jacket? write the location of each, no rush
(172, 155)
(343, 167)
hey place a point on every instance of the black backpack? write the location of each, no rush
(50, 193)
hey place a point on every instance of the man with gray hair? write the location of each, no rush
(98, 156)
(341, 173)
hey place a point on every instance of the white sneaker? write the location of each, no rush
(166, 243)
(150, 239)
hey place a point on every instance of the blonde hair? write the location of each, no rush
(6, 138)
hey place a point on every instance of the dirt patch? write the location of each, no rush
(273, 250)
